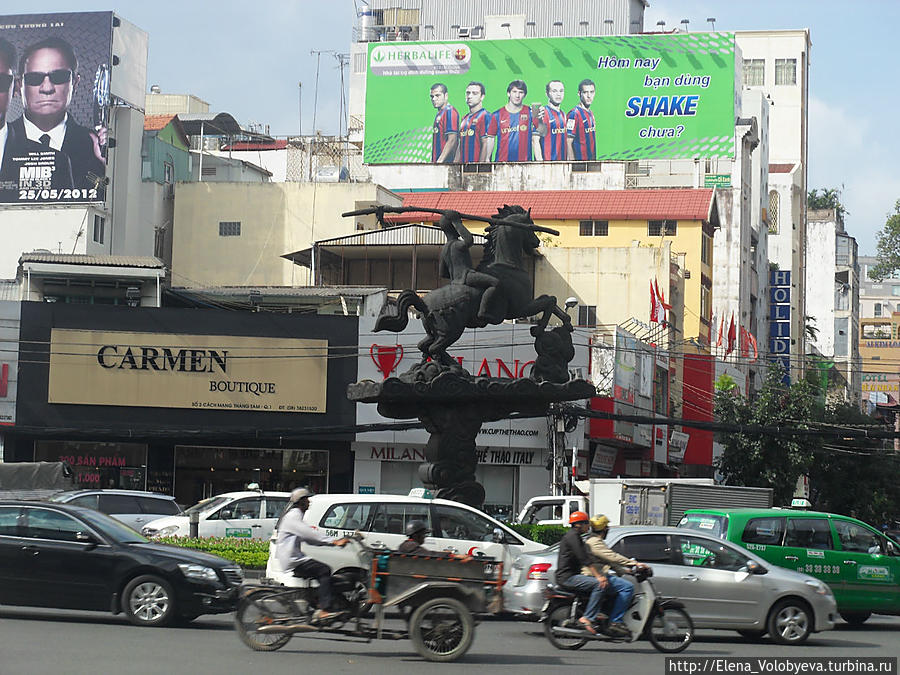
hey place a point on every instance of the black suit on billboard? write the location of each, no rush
(18, 148)
(78, 147)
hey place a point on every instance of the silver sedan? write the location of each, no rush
(722, 586)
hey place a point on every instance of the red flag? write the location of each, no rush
(753, 344)
(721, 329)
(731, 336)
(661, 297)
(745, 342)
(654, 307)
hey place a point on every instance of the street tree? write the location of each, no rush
(766, 460)
(888, 246)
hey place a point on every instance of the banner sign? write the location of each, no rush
(624, 97)
(205, 372)
(54, 107)
(780, 320)
(9, 361)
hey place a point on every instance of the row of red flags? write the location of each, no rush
(659, 307)
(747, 341)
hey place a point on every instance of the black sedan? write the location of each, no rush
(71, 557)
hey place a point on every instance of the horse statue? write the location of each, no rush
(498, 289)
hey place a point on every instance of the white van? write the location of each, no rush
(250, 514)
(382, 519)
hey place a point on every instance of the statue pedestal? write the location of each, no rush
(452, 405)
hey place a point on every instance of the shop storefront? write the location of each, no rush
(186, 402)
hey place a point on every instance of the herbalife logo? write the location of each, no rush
(419, 59)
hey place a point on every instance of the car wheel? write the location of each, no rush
(148, 600)
(752, 635)
(855, 618)
(790, 622)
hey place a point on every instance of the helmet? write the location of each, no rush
(578, 517)
(413, 527)
(299, 493)
(599, 523)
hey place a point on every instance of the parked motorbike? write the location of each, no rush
(663, 621)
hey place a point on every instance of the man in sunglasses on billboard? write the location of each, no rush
(48, 77)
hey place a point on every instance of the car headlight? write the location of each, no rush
(818, 587)
(198, 572)
(167, 531)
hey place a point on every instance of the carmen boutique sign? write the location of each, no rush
(212, 372)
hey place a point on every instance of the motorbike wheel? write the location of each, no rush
(855, 618)
(670, 630)
(559, 617)
(441, 629)
(250, 615)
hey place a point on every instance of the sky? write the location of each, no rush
(248, 58)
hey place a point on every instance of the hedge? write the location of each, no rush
(543, 534)
(248, 553)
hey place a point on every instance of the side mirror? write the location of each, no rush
(754, 567)
(85, 538)
(498, 536)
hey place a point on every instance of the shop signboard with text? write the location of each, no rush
(55, 77)
(202, 372)
(622, 97)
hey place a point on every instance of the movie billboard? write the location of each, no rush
(627, 97)
(54, 107)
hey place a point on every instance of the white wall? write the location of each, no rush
(62, 229)
(820, 284)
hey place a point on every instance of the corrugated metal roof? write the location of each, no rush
(287, 291)
(404, 235)
(677, 204)
(98, 260)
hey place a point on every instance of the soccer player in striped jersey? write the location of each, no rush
(510, 127)
(445, 134)
(473, 127)
(581, 136)
(551, 124)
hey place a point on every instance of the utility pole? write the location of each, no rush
(300, 108)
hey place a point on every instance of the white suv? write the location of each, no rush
(382, 520)
(250, 514)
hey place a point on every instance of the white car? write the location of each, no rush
(250, 514)
(382, 520)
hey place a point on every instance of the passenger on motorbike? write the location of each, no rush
(575, 571)
(416, 531)
(292, 531)
(604, 559)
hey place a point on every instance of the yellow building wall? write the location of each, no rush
(276, 218)
(686, 244)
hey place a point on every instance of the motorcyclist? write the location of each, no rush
(575, 571)
(605, 559)
(416, 531)
(292, 531)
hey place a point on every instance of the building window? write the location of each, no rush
(773, 212)
(657, 228)
(754, 72)
(99, 227)
(706, 249)
(168, 173)
(877, 309)
(593, 228)
(785, 71)
(895, 290)
(587, 315)
(230, 228)
(705, 303)
(208, 171)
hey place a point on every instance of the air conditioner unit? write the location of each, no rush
(477, 32)
(464, 32)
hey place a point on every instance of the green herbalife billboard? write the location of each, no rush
(551, 99)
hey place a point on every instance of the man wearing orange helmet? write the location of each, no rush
(573, 566)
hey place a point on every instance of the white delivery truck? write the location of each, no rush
(643, 501)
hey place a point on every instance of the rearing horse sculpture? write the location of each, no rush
(500, 288)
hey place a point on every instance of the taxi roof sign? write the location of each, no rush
(424, 493)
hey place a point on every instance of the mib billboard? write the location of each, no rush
(54, 107)
(551, 99)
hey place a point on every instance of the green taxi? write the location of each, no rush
(860, 564)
